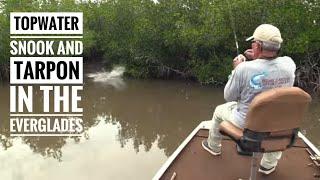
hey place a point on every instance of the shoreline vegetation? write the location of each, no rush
(171, 39)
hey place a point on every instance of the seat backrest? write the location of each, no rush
(273, 119)
(277, 110)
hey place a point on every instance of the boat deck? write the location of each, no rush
(197, 164)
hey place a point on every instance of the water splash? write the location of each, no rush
(112, 78)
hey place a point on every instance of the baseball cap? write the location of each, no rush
(266, 33)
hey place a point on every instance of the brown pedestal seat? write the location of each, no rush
(272, 122)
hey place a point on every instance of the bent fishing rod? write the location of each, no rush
(231, 17)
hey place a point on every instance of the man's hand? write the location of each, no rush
(237, 60)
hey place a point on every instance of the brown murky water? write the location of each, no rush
(132, 126)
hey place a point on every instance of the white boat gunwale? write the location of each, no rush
(207, 125)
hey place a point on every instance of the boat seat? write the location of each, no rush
(231, 130)
(272, 122)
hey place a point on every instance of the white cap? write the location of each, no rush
(266, 33)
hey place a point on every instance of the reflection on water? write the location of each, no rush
(129, 131)
(96, 157)
(148, 110)
(311, 124)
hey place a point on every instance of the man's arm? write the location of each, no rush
(232, 90)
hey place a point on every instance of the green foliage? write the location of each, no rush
(4, 38)
(214, 72)
(180, 38)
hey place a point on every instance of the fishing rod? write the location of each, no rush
(231, 17)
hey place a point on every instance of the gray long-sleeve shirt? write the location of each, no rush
(253, 77)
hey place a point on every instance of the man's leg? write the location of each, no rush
(222, 113)
(269, 162)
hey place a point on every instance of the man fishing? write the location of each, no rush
(248, 79)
